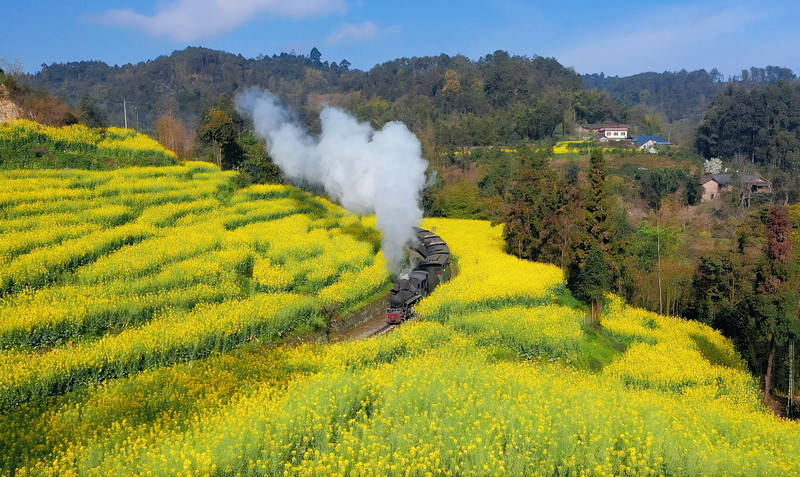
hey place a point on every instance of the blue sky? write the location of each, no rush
(616, 37)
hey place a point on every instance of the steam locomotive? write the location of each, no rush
(432, 268)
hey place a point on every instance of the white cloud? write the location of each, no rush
(670, 38)
(349, 33)
(189, 20)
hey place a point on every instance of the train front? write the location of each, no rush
(401, 301)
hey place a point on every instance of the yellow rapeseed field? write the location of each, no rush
(567, 147)
(158, 350)
(80, 138)
(106, 274)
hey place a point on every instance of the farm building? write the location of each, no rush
(749, 184)
(713, 184)
(605, 132)
(648, 142)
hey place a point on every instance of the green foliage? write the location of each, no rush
(694, 190)
(90, 115)
(430, 193)
(678, 94)
(533, 201)
(46, 148)
(594, 106)
(498, 99)
(659, 183)
(643, 244)
(597, 205)
(598, 348)
(225, 135)
(9, 82)
(502, 169)
(760, 125)
(750, 294)
(715, 354)
(593, 279)
(462, 201)
(777, 281)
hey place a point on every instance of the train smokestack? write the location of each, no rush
(368, 171)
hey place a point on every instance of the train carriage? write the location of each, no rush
(430, 271)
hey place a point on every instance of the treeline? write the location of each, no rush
(749, 291)
(759, 126)
(561, 218)
(746, 286)
(445, 100)
(681, 94)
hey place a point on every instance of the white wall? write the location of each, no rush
(616, 134)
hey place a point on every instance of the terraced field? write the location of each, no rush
(31, 145)
(141, 322)
(106, 274)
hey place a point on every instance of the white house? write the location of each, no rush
(604, 132)
(614, 133)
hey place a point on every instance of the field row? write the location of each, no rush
(90, 300)
(493, 386)
(26, 141)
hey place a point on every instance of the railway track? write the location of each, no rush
(383, 330)
(431, 266)
(374, 324)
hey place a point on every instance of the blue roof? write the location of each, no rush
(640, 140)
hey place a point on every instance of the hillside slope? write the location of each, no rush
(9, 110)
(105, 274)
(500, 376)
(30, 145)
(498, 98)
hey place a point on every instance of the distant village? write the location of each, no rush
(618, 134)
(714, 182)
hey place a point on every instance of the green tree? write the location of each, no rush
(531, 229)
(315, 56)
(597, 204)
(570, 219)
(89, 114)
(220, 130)
(595, 241)
(257, 167)
(760, 125)
(777, 307)
(592, 282)
(714, 290)
(656, 184)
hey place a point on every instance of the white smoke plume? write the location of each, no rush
(367, 171)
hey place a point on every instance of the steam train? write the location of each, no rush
(432, 267)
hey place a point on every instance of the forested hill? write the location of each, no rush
(680, 94)
(497, 99)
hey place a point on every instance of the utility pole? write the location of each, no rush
(658, 252)
(791, 380)
(125, 112)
